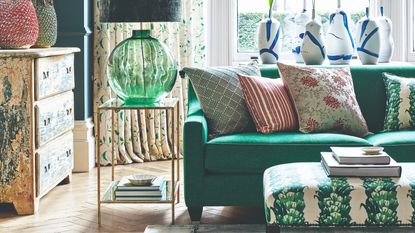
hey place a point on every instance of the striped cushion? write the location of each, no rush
(269, 104)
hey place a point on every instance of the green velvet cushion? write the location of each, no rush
(399, 144)
(400, 103)
(253, 152)
(369, 88)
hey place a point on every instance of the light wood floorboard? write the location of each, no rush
(73, 208)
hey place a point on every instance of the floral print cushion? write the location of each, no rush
(302, 194)
(324, 99)
(400, 103)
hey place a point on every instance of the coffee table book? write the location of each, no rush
(111, 197)
(355, 155)
(333, 168)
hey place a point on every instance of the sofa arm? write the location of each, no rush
(194, 138)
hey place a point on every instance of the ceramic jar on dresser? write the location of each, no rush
(36, 122)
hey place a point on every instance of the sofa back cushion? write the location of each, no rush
(368, 84)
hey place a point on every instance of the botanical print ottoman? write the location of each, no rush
(301, 194)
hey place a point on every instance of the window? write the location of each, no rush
(250, 13)
(232, 25)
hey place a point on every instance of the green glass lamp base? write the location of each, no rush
(141, 69)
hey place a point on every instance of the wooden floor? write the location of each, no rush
(73, 208)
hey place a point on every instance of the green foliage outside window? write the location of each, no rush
(248, 26)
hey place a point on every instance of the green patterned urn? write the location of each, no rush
(48, 24)
(141, 69)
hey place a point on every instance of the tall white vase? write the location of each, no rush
(269, 41)
(386, 40)
(368, 40)
(300, 20)
(340, 43)
(313, 49)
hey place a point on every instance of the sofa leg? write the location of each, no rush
(273, 228)
(195, 213)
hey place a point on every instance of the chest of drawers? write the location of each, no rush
(36, 122)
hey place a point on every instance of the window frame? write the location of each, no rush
(222, 32)
(411, 30)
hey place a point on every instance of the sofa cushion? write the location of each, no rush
(254, 152)
(269, 104)
(400, 145)
(324, 99)
(221, 98)
(400, 103)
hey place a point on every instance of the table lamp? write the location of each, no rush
(141, 69)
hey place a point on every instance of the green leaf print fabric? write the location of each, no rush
(302, 194)
(400, 103)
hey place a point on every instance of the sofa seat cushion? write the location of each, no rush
(254, 152)
(400, 145)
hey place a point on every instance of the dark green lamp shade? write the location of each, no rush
(141, 69)
(141, 10)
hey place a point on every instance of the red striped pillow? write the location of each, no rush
(269, 104)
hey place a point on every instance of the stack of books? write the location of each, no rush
(125, 191)
(354, 162)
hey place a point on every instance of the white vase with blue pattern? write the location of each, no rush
(313, 49)
(368, 40)
(340, 42)
(269, 41)
(300, 20)
(387, 44)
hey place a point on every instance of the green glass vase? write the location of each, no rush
(141, 69)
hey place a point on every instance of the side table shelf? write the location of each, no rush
(171, 106)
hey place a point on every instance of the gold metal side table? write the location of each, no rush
(170, 105)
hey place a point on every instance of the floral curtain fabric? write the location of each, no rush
(143, 135)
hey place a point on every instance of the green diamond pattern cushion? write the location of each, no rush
(302, 194)
(221, 98)
(254, 152)
(400, 103)
(398, 144)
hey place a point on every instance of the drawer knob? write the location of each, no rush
(45, 74)
(68, 152)
(47, 121)
(68, 111)
(69, 70)
(47, 168)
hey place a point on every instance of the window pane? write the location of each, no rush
(413, 28)
(250, 13)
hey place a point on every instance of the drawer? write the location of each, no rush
(54, 162)
(53, 75)
(54, 116)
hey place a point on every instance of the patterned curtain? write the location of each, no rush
(142, 135)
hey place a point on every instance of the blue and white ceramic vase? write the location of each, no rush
(300, 21)
(340, 43)
(368, 40)
(387, 44)
(313, 49)
(269, 41)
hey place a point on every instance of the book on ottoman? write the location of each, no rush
(355, 155)
(333, 168)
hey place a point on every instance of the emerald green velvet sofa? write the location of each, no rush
(227, 170)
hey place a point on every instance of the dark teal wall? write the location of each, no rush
(75, 27)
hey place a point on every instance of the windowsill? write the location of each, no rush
(354, 62)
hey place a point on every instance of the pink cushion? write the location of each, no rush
(324, 99)
(269, 104)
